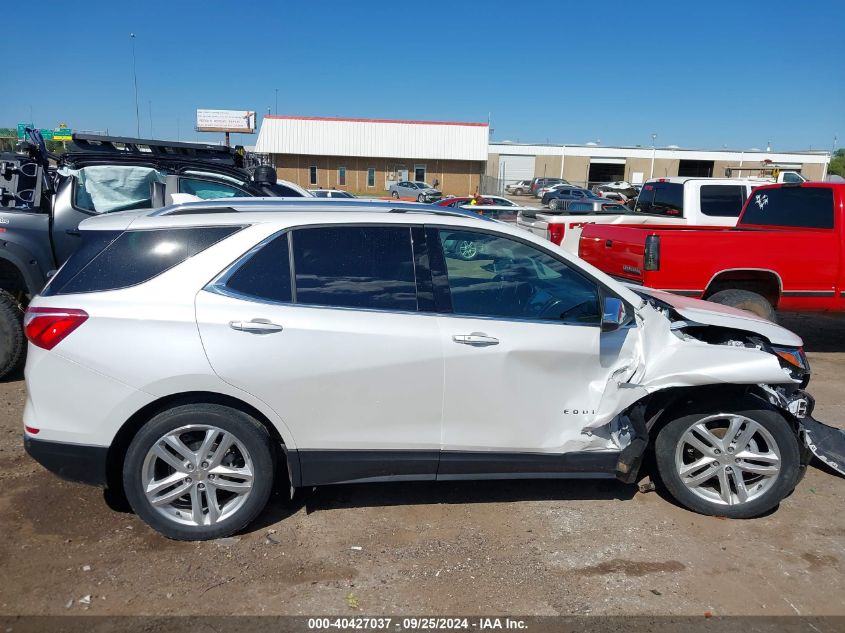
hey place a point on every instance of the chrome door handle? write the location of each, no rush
(476, 339)
(256, 326)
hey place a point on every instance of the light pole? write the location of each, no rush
(150, 104)
(135, 79)
(653, 149)
(277, 102)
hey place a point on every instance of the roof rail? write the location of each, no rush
(239, 205)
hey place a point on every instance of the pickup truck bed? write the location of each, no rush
(792, 263)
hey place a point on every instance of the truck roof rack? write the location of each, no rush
(151, 148)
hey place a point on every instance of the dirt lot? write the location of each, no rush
(527, 547)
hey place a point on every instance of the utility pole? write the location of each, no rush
(277, 102)
(150, 104)
(653, 149)
(135, 79)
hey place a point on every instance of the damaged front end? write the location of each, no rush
(695, 351)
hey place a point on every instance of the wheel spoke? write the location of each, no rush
(733, 428)
(226, 442)
(724, 486)
(688, 469)
(693, 440)
(213, 504)
(696, 480)
(155, 487)
(768, 458)
(742, 440)
(239, 487)
(739, 484)
(196, 506)
(185, 453)
(171, 496)
(758, 469)
(207, 443)
(169, 458)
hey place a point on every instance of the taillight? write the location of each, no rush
(555, 232)
(651, 258)
(47, 327)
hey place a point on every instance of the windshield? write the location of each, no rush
(422, 185)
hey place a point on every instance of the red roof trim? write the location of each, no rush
(330, 118)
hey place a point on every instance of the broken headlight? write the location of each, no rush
(794, 361)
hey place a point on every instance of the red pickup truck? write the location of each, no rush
(785, 253)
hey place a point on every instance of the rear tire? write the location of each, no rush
(206, 451)
(708, 473)
(518, 192)
(745, 300)
(395, 194)
(12, 339)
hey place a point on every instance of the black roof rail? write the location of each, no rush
(127, 146)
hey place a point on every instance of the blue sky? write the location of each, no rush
(735, 74)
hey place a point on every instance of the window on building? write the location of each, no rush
(312, 174)
(419, 173)
(341, 176)
(355, 267)
(371, 177)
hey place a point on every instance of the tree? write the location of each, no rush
(837, 163)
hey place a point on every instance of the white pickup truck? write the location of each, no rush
(675, 200)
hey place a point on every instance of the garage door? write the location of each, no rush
(514, 168)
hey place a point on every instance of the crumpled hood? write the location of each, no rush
(710, 313)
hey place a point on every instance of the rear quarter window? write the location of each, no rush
(722, 201)
(130, 258)
(799, 207)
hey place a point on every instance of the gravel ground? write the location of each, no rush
(525, 547)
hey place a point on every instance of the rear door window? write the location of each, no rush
(800, 207)
(662, 198)
(722, 201)
(368, 267)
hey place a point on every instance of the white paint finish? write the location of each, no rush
(363, 138)
(594, 151)
(534, 391)
(711, 313)
(342, 379)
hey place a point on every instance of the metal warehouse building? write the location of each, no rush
(368, 155)
(592, 164)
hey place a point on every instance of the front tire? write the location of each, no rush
(12, 339)
(737, 461)
(745, 300)
(554, 203)
(199, 471)
(420, 198)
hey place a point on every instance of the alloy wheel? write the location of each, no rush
(197, 475)
(727, 459)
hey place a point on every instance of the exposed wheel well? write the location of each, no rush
(12, 280)
(763, 282)
(120, 444)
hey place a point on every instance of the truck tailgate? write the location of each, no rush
(617, 249)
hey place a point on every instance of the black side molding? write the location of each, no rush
(74, 462)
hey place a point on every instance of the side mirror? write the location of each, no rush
(613, 314)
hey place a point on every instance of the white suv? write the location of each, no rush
(192, 355)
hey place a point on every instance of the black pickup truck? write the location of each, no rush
(43, 198)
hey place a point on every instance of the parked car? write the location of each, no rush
(785, 253)
(330, 193)
(518, 188)
(686, 201)
(621, 188)
(539, 183)
(420, 191)
(494, 207)
(523, 362)
(562, 196)
(41, 207)
(542, 191)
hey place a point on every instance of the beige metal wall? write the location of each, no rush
(457, 177)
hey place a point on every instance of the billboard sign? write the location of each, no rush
(239, 121)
